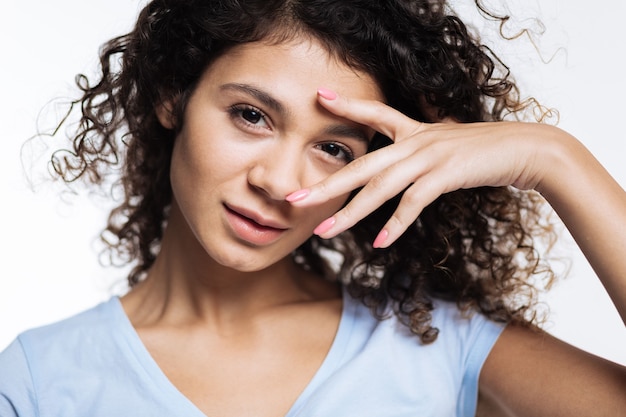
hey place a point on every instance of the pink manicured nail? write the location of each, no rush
(325, 226)
(380, 239)
(326, 93)
(298, 195)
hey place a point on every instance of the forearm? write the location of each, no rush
(593, 207)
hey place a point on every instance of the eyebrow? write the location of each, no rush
(260, 95)
(342, 130)
(347, 131)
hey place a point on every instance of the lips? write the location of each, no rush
(253, 228)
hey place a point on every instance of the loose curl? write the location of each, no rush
(475, 247)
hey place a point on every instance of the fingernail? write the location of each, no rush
(326, 93)
(324, 226)
(298, 195)
(380, 239)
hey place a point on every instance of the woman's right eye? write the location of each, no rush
(249, 117)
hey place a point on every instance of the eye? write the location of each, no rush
(252, 115)
(337, 150)
(248, 116)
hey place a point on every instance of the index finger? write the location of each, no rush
(371, 113)
(375, 114)
(354, 175)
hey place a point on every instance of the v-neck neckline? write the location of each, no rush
(162, 382)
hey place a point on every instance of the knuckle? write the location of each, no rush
(401, 219)
(322, 191)
(378, 181)
(411, 198)
(344, 217)
(396, 223)
(359, 164)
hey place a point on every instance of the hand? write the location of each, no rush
(429, 159)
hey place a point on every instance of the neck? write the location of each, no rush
(186, 286)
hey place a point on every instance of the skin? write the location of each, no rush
(528, 373)
(223, 286)
(212, 293)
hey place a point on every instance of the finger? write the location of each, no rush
(418, 196)
(379, 189)
(379, 116)
(374, 114)
(354, 175)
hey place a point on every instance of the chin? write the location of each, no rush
(245, 262)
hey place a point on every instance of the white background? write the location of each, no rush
(49, 263)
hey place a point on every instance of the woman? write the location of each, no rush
(243, 129)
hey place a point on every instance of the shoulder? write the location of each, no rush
(469, 332)
(49, 344)
(46, 354)
(399, 369)
(79, 330)
(460, 332)
(92, 364)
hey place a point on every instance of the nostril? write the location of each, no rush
(275, 181)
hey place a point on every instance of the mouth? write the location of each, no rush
(252, 227)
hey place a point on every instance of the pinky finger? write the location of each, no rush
(412, 203)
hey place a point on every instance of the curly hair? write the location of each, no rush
(477, 247)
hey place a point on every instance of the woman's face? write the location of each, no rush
(253, 133)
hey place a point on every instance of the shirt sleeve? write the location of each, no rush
(483, 334)
(17, 394)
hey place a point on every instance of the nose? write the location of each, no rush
(278, 172)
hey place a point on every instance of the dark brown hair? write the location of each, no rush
(475, 247)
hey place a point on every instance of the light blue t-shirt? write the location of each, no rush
(95, 365)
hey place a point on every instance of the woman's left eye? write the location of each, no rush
(337, 150)
(249, 116)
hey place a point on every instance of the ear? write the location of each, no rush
(165, 113)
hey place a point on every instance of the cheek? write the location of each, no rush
(192, 174)
(185, 170)
(203, 159)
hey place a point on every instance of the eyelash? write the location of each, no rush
(348, 154)
(236, 113)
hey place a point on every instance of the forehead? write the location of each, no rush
(298, 65)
